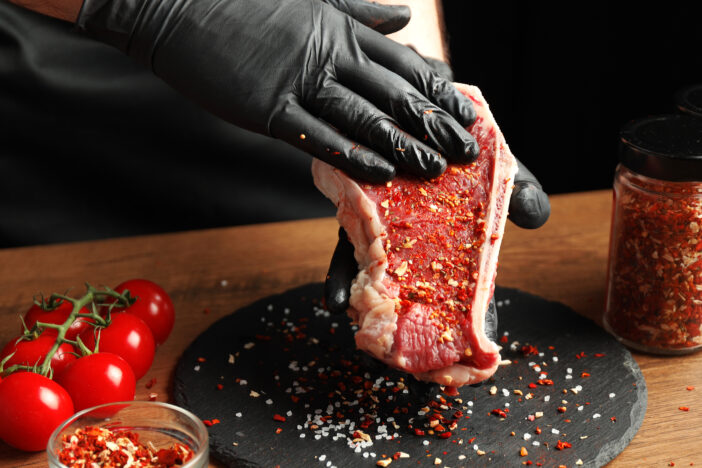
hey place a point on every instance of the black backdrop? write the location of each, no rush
(94, 146)
(562, 77)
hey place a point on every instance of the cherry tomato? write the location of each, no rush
(98, 378)
(32, 407)
(31, 352)
(58, 316)
(128, 337)
(153, 306)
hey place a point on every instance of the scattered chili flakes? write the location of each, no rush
(690, 388)
(529, 350)
(220, 386)
(277, 417)
(97, 446)
(151, 383)
(210, 422)
(585, 375)
(561, 445)
(684, 408)
(523, 452)
(201, 359)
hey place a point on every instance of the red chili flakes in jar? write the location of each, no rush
(654, 292)
(97, 446)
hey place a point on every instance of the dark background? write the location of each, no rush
(562, 77)
(94, 146)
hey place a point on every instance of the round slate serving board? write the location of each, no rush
(286, 357)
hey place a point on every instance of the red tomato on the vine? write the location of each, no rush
(98, 378)
(153, 306)
(32, 407)
(128, 337)
(32, 352)
(58, 316)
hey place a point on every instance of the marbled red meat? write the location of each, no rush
(427, 253)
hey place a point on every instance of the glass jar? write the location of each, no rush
(654, 278)
(689, 100)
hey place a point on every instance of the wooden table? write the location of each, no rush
(211, 273)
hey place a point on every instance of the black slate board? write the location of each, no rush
(273, 340)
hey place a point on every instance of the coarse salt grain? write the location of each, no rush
(596, 415)
(269, 401)
(612, 395)
(555, 431)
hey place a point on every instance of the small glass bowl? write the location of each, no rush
(161, 424)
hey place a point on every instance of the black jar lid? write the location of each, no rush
(667, 147)
(689, 100)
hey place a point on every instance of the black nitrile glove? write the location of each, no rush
(311, 72)
(528, 208)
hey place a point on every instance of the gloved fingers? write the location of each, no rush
(529, 206)
(491, 320)
(385, 19)
(301, 129)
(415, 113)
(342, 270)
(411, 66)
(364, 122)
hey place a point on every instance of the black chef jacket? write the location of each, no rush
(93, 145)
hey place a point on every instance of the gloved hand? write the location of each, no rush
(528, 208)
(310, 72)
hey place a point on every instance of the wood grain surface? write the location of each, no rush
(211, 273)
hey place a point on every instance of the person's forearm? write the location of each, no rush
(62, 9)
(425, 31)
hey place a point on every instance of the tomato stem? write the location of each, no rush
(94, 297)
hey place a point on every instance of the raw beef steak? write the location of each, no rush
(427, 254)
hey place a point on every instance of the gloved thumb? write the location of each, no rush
(385, 19)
